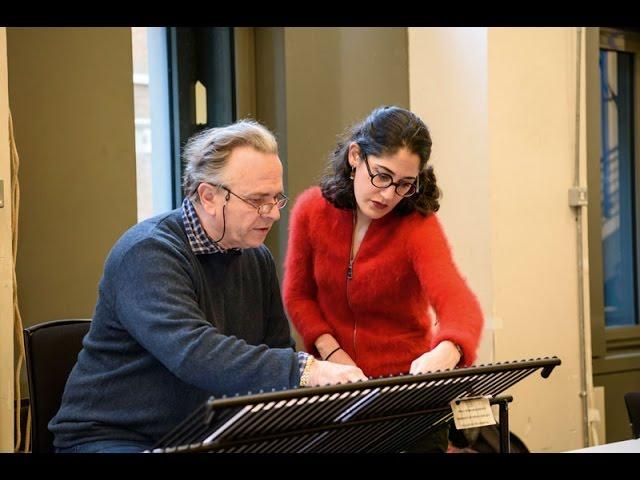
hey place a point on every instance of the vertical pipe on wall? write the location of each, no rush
(6, 267)
(578, 218)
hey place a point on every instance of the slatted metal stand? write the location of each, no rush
(380, 415)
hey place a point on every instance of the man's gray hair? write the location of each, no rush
(206, 153)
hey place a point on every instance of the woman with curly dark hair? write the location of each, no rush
(367, 257)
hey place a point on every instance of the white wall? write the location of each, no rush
(448, 90)
(531, 120)
(501, 106)
(6, 264)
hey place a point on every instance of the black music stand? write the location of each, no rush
(380, 415)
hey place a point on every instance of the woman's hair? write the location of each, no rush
(207, 152)
(384, 132)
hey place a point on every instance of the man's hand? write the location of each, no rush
(323, 373)
(444, 356)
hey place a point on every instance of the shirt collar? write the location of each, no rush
(199, 241)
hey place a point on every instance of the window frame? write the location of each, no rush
(205, 54)
(609, 343)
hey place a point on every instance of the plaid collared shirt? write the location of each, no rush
(199, 241)
(202, 244)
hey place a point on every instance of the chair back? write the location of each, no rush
(632, 400)
(51, 351)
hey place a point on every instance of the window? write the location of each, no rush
(613, 171)
(151, 105)
(618, 189)
(613, 165)
(201, 87)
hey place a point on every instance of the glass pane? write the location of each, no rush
(617, 174)
(143, 121)
(151, 104)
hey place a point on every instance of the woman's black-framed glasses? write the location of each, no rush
(384, 180)
(264, 208)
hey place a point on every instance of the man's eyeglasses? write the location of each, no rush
(384, 180)
(264, 208)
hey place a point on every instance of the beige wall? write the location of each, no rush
(448, 85)
(501, 104)
(334, 78)
(6, 265)
(312, 83)
(267, 103)
(532, 119)
(245, 70)
(71, 96)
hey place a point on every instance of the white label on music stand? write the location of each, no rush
(472, 412)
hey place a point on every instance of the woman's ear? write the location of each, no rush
(354, 154)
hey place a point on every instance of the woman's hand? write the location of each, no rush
(443, 357)
(329, 350)
(340, 356)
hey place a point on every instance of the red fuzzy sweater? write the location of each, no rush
(380, 316)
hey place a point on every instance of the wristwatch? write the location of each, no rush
(304, 378)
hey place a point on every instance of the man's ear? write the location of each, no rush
(209, 197)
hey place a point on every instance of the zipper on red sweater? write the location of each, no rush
(349, 277)
(355, 326)
(352, 259)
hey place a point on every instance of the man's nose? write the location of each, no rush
(274, 214)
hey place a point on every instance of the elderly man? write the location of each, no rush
(189, 306)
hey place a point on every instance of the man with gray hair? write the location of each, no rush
(189, 306)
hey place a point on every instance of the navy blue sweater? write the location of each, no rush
(170, 329)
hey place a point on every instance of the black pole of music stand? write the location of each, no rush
(505, 446)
